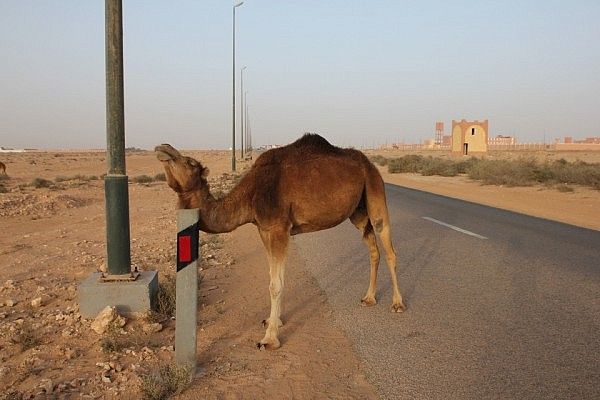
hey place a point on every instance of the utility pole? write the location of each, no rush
(233, 94)
(246, 121)
(242, 113)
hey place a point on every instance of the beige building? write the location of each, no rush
(469, 137)
(502, 141)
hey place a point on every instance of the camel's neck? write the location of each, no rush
(222, 215)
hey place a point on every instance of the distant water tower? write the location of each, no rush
(439, 133)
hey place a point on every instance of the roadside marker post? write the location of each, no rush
(186, 288)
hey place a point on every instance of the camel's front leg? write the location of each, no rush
(276, 243)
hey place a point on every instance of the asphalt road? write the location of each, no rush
(512, 313)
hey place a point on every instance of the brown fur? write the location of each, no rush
(3, 168)
(306, 186)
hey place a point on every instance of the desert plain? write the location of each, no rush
(53, 236)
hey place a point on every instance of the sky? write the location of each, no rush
(357, 72)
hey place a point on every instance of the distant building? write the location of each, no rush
(469, 137)
(502, 140)
(447, 140)
(10, 150)
(591, 140)
(588, 140)
(439, 132)
(429, 144)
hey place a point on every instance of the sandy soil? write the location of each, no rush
(52, 238)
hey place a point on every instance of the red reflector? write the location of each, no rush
(184, 248)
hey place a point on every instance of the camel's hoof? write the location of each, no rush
(398, 307)
(368, 302)
(267, 346)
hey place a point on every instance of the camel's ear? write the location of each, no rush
(205, 172)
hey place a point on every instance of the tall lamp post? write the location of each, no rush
(242, 112)
(128, 291)
(233, 94)
(115, 182)
(248, 130)
(246, 122)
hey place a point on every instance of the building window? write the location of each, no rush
(472, 131)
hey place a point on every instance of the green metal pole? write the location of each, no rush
(115, 182)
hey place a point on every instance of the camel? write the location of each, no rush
(306, 186)
(3, 168)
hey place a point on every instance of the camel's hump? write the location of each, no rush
(310, 144)
(313, 140)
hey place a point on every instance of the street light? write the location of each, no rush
(233, 94)
(246, 121)
(242, 112)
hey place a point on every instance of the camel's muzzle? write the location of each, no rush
(166, 152)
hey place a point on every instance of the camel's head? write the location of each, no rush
(184, 174)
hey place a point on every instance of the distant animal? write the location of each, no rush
(306, 186)
(3, 168)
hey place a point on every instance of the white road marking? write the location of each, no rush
(456, 228)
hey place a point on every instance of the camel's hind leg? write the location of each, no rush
(379, 218)
(276, 243)
(360, 219)
(386, 241)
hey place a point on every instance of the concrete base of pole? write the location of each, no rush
(138, 296)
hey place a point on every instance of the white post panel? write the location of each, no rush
(186, 287)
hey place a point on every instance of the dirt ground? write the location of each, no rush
(53, 238)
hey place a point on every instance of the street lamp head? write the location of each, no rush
(243, 68)
(238, 4)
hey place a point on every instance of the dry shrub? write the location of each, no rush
(166, 300)
(75, 180)
(578, 173)
(408, 163)
(41, 183)
(80, 177)
(427, 165)
(26, 337)
(520, 172)
(564, 188)
(161, 177)
(112, 341)
(61, 178)
(463, 166)
(504, 172)
(527, 171)
(164, 381)
(438, 166)
(143, 179)
(377, 159)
